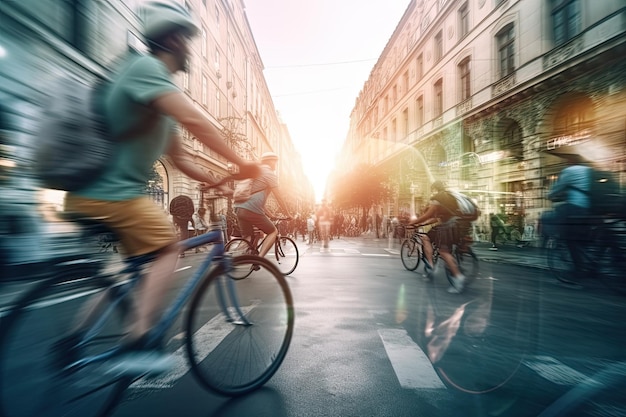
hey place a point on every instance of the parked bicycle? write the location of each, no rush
(237, 333)
(602, 244)
(285, 255)
(412, 253)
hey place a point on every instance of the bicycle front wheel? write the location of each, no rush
(239, 331)
(285, 256)
(38, 343)
(410, 254)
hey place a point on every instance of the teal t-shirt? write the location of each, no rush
(140, 80)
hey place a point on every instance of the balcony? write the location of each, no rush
(503, 85)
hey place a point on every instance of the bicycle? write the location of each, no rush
(603, 251)
(237, 333)
(285, 255)
(412, 252)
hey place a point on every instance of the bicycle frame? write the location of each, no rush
(215, 257)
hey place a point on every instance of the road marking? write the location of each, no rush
(376, 254)
(413, 369)
(555, 371)
(207, 338)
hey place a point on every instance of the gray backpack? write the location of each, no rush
(74, 144)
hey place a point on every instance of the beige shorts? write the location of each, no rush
(139, 224)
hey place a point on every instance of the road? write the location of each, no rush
(372, 339)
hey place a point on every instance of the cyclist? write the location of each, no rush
(251, 213)
(143, 93)
(572, 190)
(445, 233)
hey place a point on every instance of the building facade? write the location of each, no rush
(479, 92)
(39, 39)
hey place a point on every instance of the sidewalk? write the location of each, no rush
(527, 256)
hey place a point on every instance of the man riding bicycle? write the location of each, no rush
(569, 218)
(444, 234)
(144, 99)
(251, 212)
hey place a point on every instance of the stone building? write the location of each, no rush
(41, 38)
(479, 92)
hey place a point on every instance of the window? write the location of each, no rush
(405, 123)
(438, 47)
(574, 118)
(438, 102)
(205, 89)
(419, 111)
(217, 102)
(217, 18)
(464, 78)
(506, 50)
(463, 20)
(394, 130)
(394, 94)
(217, 60)
(405, 82)
(420, 67)
(204, 42)
(566, 20)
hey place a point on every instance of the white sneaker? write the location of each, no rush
(141, 362)
(458, 283)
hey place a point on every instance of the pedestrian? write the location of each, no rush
(144, 98)
(200, 224)
(497, 227)
(310, 227)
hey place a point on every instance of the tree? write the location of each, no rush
(237, 141)
(363, 187)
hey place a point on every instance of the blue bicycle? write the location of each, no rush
(237, 333)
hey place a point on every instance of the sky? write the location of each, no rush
(317, 56)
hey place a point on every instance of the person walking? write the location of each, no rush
(200, 224)
(143, 98)
(497, 226)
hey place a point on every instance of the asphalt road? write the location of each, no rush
(372, 339)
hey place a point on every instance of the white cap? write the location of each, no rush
(268, 155)
(160, 17)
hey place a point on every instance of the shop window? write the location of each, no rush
(512, 141)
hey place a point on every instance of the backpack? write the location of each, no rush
(605, 195)
(74, 144)
(467, 209)
(243, 190)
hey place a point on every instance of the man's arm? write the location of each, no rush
(281, 202)
(427, 217)
(557, 193)
(184, 112)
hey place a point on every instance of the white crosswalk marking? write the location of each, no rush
(207, 338)
(554, 371)
(413, 369)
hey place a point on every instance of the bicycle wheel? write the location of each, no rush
(559, 259)
(235, 352)
(238, 247)
(410, 254)
(37, 341)
(468, 264)
(285, 255)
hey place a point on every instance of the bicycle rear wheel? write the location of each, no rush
(410, 254)
(285, 255)
(238, 247)
(239, 331)
(38, 340)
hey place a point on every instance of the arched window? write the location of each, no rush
(574, 117)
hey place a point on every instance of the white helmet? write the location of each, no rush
(268, 156)
(160, 17)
